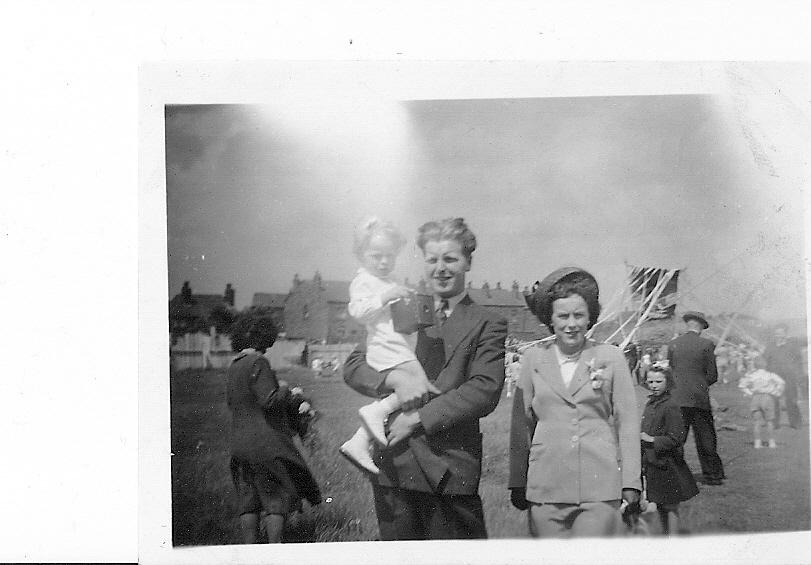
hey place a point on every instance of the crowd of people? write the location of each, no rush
(581, 452)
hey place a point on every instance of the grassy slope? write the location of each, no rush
(767, 490)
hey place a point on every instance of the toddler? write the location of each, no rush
(371, 292)
(764, 387)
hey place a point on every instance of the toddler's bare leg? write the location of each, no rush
(373, 416)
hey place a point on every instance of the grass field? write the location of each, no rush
(767, 490)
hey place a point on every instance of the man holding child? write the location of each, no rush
(430, 470)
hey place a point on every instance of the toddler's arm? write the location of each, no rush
(366, 303)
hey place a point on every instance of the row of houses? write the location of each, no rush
(315, 310)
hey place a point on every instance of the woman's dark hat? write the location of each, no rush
(693, 315)
(541, 289)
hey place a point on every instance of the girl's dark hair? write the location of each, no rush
(666, 371)
(580, 283)
(254, 328)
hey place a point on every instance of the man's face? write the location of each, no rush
(445, 267)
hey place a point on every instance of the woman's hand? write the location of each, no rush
(518, 498)
(631, 496)
(645, 437)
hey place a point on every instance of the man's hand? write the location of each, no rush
(645, 437)
(411, 392)
(402, 426)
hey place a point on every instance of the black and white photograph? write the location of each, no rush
(371, 282)
(481, 300)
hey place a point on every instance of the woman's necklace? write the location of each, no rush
(566, 357)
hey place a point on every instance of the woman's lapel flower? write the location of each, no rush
(596, 371)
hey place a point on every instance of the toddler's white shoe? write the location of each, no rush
(358, 452)
(373, 416)
(758, 444)
(772, 444)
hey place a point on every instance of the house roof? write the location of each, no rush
(497, 297)
(272, 299)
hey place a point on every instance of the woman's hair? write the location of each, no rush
(371, 227)
(664, 370)
(580, 283)
(450, 228)
(254, 328)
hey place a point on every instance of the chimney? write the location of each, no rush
(229, 294)
(296, 280)
(185, 292)
(486, 289)
(470, 284)
(317, 279)
(515, 289)
(498, 285)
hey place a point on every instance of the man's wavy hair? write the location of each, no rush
(450, 228)
(580, 283)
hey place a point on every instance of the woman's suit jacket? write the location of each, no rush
(465, 360)
(578, 443)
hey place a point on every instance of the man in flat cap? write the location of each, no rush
(692, 359)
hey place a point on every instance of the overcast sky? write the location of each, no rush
(257, 194)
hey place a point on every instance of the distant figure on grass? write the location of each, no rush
(512, 372)
(371, 292)
(269, 473)
(692, 360)
(784, 358)
(765, 388)
(668, 480)
(428, 486)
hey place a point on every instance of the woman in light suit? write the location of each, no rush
(575, 429)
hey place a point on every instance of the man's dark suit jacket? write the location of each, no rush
(446, 458)
(692, 359)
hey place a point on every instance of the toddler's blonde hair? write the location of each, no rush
(372, 226)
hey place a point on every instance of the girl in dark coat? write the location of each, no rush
(668, 479)
(269, 473)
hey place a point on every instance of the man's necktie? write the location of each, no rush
(442, 312)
